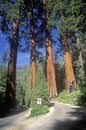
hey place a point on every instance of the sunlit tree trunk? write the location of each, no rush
(32, 52)
(11, 73)
(67, 63)
(49, 58)
(50, 67)
(80, 51)
(80, 59)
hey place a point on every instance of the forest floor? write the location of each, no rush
(60, 117)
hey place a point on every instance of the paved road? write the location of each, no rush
(7, 123)
(63, 117)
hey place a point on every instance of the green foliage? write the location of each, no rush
(27, 97)
(60, 74)
(70, 98)
(22, 86)
(67, 15)
(78, 57)
(79, 75)
(40, 90)
(82, 98)
(3, 76)
(76, 98)
(38, 110)
(13, 8)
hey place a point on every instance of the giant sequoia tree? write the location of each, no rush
(11, 73)
(67, 62)
(49, 56)
(32, 47)
(76, 20)
(58, 14)
(69, 73)
(33, 8)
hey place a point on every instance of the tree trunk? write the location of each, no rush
(68, 63)
(32, 53)
(49, 58)
(80, 52)
(50, 67)
(11, 73)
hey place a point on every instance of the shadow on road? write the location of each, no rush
(51, 104)
(77, 121)
(13, 111)
(69, 125)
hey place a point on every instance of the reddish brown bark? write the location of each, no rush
(32, 53)
(11, 73)
(32, 63)
(50, 68)
(49, 58)
(67, 63)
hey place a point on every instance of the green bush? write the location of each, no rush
(27, 97)
(82, 97)
(71, 98)
(3, 75)
(22, 86)
(38, 110)
(40, 90)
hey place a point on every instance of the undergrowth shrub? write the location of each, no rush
(38, 110)
(82, 98)
(40, 90)
(70, 98)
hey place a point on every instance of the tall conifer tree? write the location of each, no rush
(11, 73)
(58, 13)
(32, 47)
(49, 56)
(30, 7)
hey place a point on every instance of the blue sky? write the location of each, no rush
(22, 58)
(3, 44)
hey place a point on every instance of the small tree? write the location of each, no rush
(22, 90)
(82, 97)
(40, 90)
(3, 75)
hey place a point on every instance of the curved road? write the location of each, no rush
(7, 123)
(61, 117)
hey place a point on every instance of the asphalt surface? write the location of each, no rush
(9, 122)
(61, 117)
